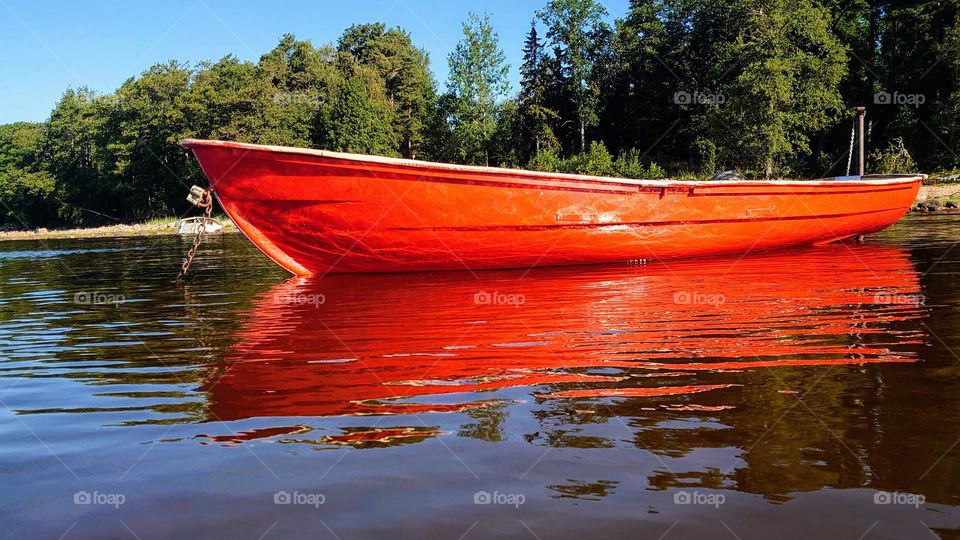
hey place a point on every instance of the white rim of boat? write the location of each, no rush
(832, 181)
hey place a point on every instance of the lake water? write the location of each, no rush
(810, 393)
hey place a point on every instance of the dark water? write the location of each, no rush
(799, 394)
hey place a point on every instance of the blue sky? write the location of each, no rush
(49, 45)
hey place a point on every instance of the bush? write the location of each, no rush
(707, 154)
(655, 171)
(545, 161)
(628, 165)
(597, 161)
(893, 160)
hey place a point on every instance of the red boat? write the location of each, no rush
(317, 212)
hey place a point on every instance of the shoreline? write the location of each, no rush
(936, 191)
(169, 227)
(125, 230)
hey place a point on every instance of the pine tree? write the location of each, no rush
(535, 114)
(637, 109)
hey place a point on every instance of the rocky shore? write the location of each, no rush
(940, 197)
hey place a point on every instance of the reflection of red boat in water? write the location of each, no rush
(395, 344)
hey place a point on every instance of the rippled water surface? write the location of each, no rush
(797, 394)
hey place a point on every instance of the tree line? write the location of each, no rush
(684, 88)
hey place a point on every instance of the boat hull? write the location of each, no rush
(316, 212)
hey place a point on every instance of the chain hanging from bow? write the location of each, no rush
(202, 198)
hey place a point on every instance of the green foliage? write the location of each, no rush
(947, 112)
(578, 34)
(507, 136)
(764, 86)
(149, 171)
(637, 109)
(597, 161)
(19, 144)
(405, 71)
(359, 117)
(76, 153)
(789, 68)
(25, 197)
(25, 189)
(478, 78)
(629, 164)
(535, 115)
(706, 152)
(116, 156)
(893, 159)
(228, 100)
(300, 77)
(545, 160)
(655, 171)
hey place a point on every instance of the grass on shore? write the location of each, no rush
(161, 222)
(152, 227)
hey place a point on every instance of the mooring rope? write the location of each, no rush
(853, 133)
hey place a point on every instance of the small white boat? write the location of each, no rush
(191, 225)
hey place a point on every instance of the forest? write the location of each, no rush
(679, 88)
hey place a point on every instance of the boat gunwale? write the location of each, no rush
(878, 180)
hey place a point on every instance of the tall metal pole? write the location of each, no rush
(861, 113)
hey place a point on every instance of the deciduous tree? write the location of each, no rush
(478, 80)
